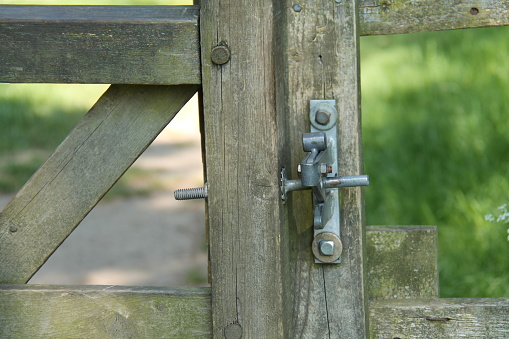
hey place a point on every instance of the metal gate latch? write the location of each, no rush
(319, 172)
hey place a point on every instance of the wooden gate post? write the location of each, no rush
(244, 154)
(262, 61)
(319, 54)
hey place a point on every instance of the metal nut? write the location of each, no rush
(322, 117)
(326, 247)
(324, 251)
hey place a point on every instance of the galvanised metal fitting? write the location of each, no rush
(192, 193)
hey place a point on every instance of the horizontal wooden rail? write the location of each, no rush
(409, 16)
(160, 44)
(32, 311)
(440, 318)
(99, 44)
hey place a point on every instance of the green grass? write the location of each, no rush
(436, 144)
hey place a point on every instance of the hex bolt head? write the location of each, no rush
(322, 117)
(220, 54)
(326, 247)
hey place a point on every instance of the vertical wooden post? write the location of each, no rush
(262, 61)
(243, 157)
(318, 52)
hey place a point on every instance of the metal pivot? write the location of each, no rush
(319, 172)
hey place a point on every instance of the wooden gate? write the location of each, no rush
(256, 64)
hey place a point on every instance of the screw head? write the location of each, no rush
(220, 54)
(297, 8)
(326, 247)
(322, 117)
(13, 229)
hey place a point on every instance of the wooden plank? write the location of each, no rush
(402, 262)
(32, 311)
(243, 156)
(99, 44)
(119, 127)
(409, 16)
(440, 318)
(318, 51)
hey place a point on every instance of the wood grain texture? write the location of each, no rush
(440, 318)
(32, 311)
(66, 312)
(409, 16)
(243, 164)
(317, 53)
(104, 144)
(402, 262)
(99, 44)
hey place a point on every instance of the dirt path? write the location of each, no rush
(151, 240)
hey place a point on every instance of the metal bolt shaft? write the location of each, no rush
(191, 193)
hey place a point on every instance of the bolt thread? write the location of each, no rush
(191, 193)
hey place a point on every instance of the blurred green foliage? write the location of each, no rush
(436, 144)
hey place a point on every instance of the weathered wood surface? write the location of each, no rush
(440, 318)
(99, 44)
(66, 312)
(409, 16)
(317, 53)
(160, 44)
(402, 262)
(119, 127)
(243, 156)
(33, 311)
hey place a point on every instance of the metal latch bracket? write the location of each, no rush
(319, 172)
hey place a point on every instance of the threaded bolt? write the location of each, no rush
(191, 193)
